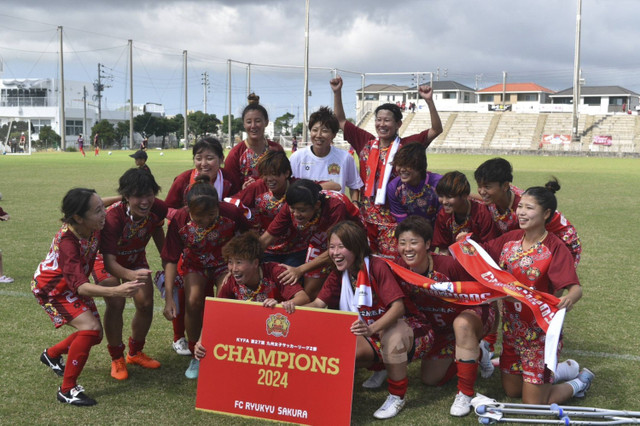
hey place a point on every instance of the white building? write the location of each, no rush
(37, 100)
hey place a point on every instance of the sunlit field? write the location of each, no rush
(602, 332)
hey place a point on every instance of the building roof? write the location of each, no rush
(383, 88)
(441, 86)
(596, 91)
(516, 88)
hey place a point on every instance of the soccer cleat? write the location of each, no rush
(76, 396)
(181, 346)
(56, 364)
(193, 369)
(119, 369)
(390, 408)
(586, 376)
(5, 279)
(485, 364)
(376, 380)
(143, 360)
(461, 405)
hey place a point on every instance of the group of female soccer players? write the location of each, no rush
(259, 234)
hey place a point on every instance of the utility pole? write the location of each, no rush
(98, 87)
(305, 123)
(84, 108)
(205, 85)
(186, 103)
(231, 141)
(504, 90)
(63, 120)
(576, 76)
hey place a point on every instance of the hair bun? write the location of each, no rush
(253, 99)
(553, 185)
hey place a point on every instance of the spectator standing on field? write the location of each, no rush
(81, 145)
(96, 142)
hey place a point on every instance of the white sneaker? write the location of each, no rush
(5, 279)
(461, 405)
(586, 376)
(376, 380)
(566, 370)
(485, 364)
(390, 408)
(181, 346)
(193, 370)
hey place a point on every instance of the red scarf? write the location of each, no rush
(458, 292)
(372, 167)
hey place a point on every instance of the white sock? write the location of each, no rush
(577, 385)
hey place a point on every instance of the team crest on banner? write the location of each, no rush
(278, 325)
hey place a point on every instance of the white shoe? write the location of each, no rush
(193, 370)
(376, 380)
(586, 376)
(390, 408)
(181, 347)
(5, 279)
(566, 370)
(461, 405)
(485, 364)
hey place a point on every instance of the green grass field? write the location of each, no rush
(602, 332)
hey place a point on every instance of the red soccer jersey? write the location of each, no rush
(177, 195)
(507, 221)
(438, 312)
(361, 141)
(385, 290)
(545, 267)
(241, 162)
(202, 249)
(68, 264)
(124, 238)
(269, 287)
(479, 222)
(333, 210)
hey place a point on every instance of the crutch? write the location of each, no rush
(497, 417)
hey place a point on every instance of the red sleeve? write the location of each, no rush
(281, 222)
(494, 247)
(112, 231)
(275, 146)
(422, 138)
(561, 271)
(160, 209)
(450, 267)
(173, 246)
(232, 165)
(72, 263)
(356, 136)
(226, 291)
(273, 269)
(336, 211)
(441, 236)
(485, 228)
(234, 213)
(330, 291)
(231, 184)
(175, 196)
(248, 195)
(388, 288)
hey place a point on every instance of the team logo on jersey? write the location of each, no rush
(468, 249)
(333, 169)
(278, 325)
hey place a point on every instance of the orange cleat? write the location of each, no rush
(142, 360)
(119, 369)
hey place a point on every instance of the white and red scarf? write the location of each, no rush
(351, 300)
(481, 266)
(387, 165)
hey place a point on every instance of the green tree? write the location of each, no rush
(107, 133)
(282, 125)
(201, 123)
(48, 138)
(121, 130)
(177, 123)
(166, 126)
(297, 130)
(237, 126)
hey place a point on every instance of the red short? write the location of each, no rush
(209, 274)
(64, 307)
(444, 345)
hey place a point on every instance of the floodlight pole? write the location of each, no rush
(130, 94)
(63, 121)
(305, 123)
(576, 76)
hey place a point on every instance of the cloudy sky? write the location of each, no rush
(468, 41)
